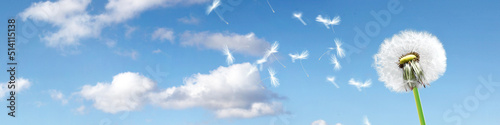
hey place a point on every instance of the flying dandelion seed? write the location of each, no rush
(221, 18)
(298, 15)
(270, 6)
(272, 50)
(300, 57)
(327, 22)
(230, 58)
(332, 80)
(366, 121)
(410, 60)
(327, 52)
(360, 85)
(261, 62)
(340, 51)
(274, 81)
(335, 62)
(215, 4)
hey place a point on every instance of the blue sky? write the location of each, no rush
(103, 49)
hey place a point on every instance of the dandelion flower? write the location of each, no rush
(298, 15)
(230, 58)
(332, 80)
(360, 85)
(274, 81)
(410, 60)
(335, 62)
(300, 57)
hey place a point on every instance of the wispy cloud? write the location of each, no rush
(247, 44)
(157, 51)
(58, 96)
(366, 121)
(130, 53)
(163, 34)
(189, 20)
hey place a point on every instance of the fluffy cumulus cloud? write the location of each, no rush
(163, 34)
(74, 22)
(20, 85)
(240, 43)
(126, 92)
(227, 91)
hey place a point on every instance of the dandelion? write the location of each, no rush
(230, 58)
(270, 6)
(360, 85)
(300, 57)
(335, 62)
(366, 121)
(298, 15)
(215, 4)
(332, 80)
(327, 22)
(274, 81)
(410, 60)
(340, 51)
(272, 50)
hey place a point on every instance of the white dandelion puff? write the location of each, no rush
(300, 57)
(298, 15)
(215, 4)
(340, 51)
(272, 50)
(431, 59)
(230, 58)
(270, 6)
(360, 85)
(366, 121)
(327, 22)
(332, 80)
(335, 62)
(274, 81)
(418, 56)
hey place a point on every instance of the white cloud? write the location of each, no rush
(319, 122)
(74, 22)
(126, 92)
(228, 91)
(366, 121)
(157, 51)
(80, 110)
(245, 44)
(132, 54)
(359, 84)
(20, 85)
(129, 30)
(163, 34)
(189, 20)
(57, 95)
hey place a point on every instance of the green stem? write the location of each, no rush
(419, 106)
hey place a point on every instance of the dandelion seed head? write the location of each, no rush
(432, 58)
(331, 79)
(327, 22)
(297, 15)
